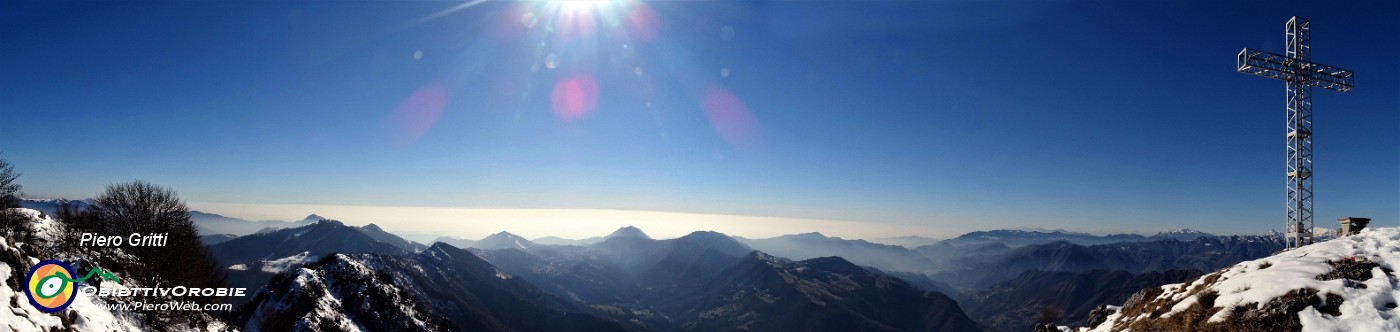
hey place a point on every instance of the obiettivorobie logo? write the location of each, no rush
(51, 287)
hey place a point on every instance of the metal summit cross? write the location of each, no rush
(1299, 75)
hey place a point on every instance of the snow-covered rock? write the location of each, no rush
(38, 236)
(86, 313)
(1184, 234)
(280, 264)
(1345, 284)
(336, 296)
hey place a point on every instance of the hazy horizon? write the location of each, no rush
(533, 223)
(476, 223)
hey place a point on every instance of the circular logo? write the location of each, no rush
(50, 287)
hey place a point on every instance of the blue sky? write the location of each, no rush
(949, 116)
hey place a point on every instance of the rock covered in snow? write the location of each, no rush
(36, 237)
(338, 293)
(1346, 284)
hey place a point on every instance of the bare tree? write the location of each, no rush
(9, 189)
(142, 207)
(9, 197)
(1049, 315)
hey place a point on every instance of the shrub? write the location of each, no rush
(9, 188)
(1351, 268)
(9, 195)
(142, 207)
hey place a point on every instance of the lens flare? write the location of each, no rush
(529, 20)
(417, 113)
(551, 61)
(730, 117)
(574, 97)
(643, 23)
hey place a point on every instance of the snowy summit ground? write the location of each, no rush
(1346, 284)
(38, 236)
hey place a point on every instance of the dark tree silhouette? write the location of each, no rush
(139, 206)
(145, 208)
(1048, 315)
(9, 196)
(9, 188)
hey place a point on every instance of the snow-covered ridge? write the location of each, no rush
(337, 292)
(277, 265)
(87, 312)
(1346, 284)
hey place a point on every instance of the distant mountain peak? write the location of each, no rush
(704, 234)
(330, 222)
(717, 241)
(50, 206)
(503, 240)
(373, 227)
(628, 231)
(58, 200)
(1184, 231)
(439, 248)
(455, 242)
(760, 256)
(1183, 234)
(312, 218)
(558, 241)
(833, 263)
(1040, 231)
(441, 243)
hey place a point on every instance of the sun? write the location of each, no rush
(575, 6)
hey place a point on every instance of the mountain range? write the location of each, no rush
(1203, 254)
(710, 281)
(908, 241)
(251, 260)
(1020, 238)
(813, 245)
(631, 279)
(701, 281)
(440, 288)
(305, 277)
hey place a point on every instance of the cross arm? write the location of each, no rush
(1278, 66)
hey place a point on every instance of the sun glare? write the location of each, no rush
(574, 6)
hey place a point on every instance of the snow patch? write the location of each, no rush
(1367, 304)
(282, 264)
(88, 313)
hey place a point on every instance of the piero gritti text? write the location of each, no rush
(132, 240)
